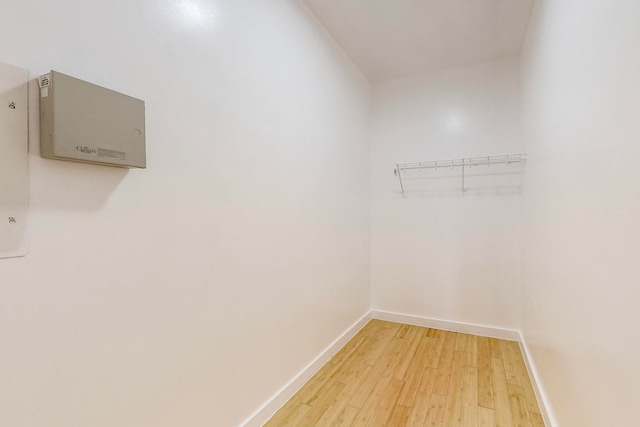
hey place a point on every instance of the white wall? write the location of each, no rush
(582, 204)
(186, 294)
(436, 252)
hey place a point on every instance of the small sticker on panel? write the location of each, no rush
(103, 152)
(44, 81)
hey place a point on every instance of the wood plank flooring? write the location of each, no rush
(392, 374)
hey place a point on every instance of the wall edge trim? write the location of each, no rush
(447, 325)
(538, 390)
(275, 402)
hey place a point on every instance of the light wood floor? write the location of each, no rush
(391, 374)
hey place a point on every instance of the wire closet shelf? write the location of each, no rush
(512, 162)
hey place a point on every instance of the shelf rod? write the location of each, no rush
(472, 161)
(459, 163)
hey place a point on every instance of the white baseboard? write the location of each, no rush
(541, 397)
(446, 325)
(486, 331)
(263, 414)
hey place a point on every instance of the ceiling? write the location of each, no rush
(395, 38)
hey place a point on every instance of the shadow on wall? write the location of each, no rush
(453, 186)
(61, 184)
(474, 192)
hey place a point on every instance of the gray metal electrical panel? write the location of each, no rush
(83, 122)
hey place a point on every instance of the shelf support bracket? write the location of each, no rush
(399, 173)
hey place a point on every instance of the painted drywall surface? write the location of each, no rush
(14, 160)
(190, 292)
(436, 252)
(581, 205)
(400, 38)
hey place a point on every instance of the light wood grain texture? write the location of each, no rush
(485, 383)
(519, 409)
(420, 405)
(397, 375)
(501, 394)
(486, 417)
(470, 397)
(435, 412)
